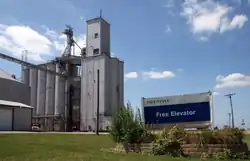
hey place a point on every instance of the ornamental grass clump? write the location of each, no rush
(219, 144)
(170, 142)
(127, 127)
(223, 136)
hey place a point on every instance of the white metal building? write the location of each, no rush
(12, 89)
(15, 116)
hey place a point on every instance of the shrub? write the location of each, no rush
(127, 127)
(206, 155)
(225, 155)
(169, 143)
(148, 137)
(167, 147)
(224, 136)
(229, 136)
(164, 133)
(117, 130)
(242, 156)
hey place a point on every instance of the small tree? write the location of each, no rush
(127, 126)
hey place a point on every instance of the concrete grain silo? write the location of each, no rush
(50, 96)
(41, 95)
(33, 89)
(25, 75)
(59, 94)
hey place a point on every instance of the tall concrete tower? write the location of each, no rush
(98, 37)
(111, 78)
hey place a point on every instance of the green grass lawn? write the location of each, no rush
(63, 147)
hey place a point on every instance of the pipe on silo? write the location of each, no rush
(33, 90)
(41, 92)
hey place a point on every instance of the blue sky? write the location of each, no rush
(169, 47)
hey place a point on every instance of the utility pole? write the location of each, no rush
(229, 119)
(98, 103)
(231, 104)
(242, 122)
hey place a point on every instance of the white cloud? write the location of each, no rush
(158, 75)
(204, 38)
(232, 80)
(180, 70)
(81, 41)
(82, 18)
(168, 29)
(169, 4)
(216, 93)
(15, 39)
(60, 43)
(50, 33)
(237, 22)
(237, 2)
(2, 28)
(208, 17)
(7, 45)
(112, 54)
(131, 75)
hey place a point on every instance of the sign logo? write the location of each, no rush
(157, 101)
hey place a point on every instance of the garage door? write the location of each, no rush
(5, 119)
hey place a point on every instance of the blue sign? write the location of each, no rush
(190, 112)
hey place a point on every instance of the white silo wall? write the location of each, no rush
(121, 84)
(59, 92)
(33, 90)
(84, 96)
(113, 85)
(41, 92)
(50, 91)
(110, 90)
(25, 75)
(89, 90)
(102, 65)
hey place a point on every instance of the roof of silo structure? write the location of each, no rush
(5, 75)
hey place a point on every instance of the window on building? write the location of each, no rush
(96, 51)
(96, 35)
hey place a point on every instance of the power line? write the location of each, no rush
(231, 105)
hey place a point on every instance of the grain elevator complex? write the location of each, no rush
(80, 92)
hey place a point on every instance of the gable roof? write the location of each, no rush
(5, 75)
(14, 104)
